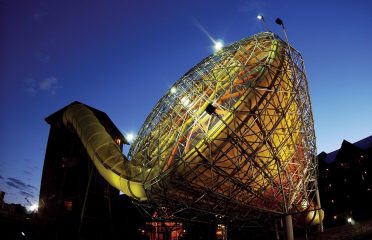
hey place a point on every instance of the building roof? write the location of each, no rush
(102, 117)
(362, 144)
(331, 156)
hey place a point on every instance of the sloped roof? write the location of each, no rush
(331, 156)
(362, 144)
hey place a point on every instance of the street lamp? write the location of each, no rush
(281, 23)
(261, 18)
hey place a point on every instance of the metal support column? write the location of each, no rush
(288, 227)
(277, 234)
(321, 227)
(85, 199)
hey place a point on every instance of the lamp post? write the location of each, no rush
(261, 18)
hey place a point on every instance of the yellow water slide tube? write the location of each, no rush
(104, 152)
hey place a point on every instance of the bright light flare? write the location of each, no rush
(33, 208)
(218, 45)
(130, 137)
(260, 17)
(351, 220)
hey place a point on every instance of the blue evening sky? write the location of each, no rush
(121, 56)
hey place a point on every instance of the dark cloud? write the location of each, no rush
(16, 183)
(20, 185)
(1, 177)
(27, 173)
(26, 194)
(32, 187)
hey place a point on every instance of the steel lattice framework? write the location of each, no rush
(233, 138)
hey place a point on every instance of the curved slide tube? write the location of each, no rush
(105, 153)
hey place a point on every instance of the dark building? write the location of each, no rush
(75, 201)
(15, 221)
(345, 183)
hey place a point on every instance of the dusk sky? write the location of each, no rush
(121, 56)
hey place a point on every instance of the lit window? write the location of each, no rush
(68, 205)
